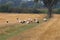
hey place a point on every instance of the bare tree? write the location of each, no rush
(49, 4)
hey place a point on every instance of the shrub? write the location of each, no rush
(58, 11)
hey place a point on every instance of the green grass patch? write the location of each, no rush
(13, 30)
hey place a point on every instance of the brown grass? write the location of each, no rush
(12, 17)
(49, 30)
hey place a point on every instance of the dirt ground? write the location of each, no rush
(49, 30)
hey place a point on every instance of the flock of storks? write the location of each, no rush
(28, 21)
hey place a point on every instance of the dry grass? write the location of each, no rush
(4, 27)
(49, 30)
(12, 17)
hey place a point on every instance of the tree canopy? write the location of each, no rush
(50, 3)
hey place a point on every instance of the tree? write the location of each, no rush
(49, 4)
(35, 6)
(5, 7)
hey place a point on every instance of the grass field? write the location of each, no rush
(49, 30)
(12, 17)
(13, 28)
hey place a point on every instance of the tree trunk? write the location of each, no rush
(49, 12)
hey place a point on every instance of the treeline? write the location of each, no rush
(10, 9)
